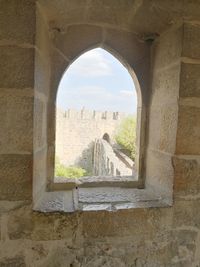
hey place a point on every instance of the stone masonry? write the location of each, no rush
(160, 41)
(76, 133)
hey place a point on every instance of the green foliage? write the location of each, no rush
(126, 135)
(68, 172)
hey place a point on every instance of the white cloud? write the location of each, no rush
(97, 98)
(92, 63)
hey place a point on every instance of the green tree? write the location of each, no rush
(126, 135)
(68, 172)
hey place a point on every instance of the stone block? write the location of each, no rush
(186, 214)
(17, 123)
(15, 177)
(23, 223)
(17, 21)
(16, 67)
(42, 56)
(62, 14)
(165, 86)
(192, 9)
(16, 261)
(39, 178)
(162, 128)
(191, 39)
(167, 49)
(186, 176)
(124, 223)
(159, 172)
(125, 46)
(190, 80)
(188, 137)
(110, 12)
(63, 255)
(78, 39)
(43, 41)
(183, 247)
(42, 74)
(166, 13)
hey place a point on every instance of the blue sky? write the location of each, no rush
(97, 81)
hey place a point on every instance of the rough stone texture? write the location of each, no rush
(42, 55)
(164, 120)
(163, 110)
(164, 84)
(126, 45)
(107, 12)
(172, 41)
(17, 122)
(159, 171)
(77, 40)
(15, 177)
(17, 261)
(39, 170)
(148, 237)
(190, 80)
(191, 32)
(62, 14)
(17, 21)
(187, 176)
(25, 224)
(20, 63)
(188, 137)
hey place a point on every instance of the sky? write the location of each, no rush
(97, 81)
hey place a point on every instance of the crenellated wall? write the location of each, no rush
(76, 132)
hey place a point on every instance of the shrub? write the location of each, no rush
(126, 135)
(68, 172)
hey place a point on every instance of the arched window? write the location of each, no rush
(96, 95)
(146, 66)
(52, 192)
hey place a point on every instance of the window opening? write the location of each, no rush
(95, 118)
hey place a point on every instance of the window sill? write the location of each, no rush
(62, 183)
(110, 197)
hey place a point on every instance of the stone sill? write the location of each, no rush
(62, 183)
(99, 198)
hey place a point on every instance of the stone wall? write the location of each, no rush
(76, 132)
(156, 237)
(107, 162)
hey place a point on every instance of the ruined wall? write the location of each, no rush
(76, 132)
(156, 237)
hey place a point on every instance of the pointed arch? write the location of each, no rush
(133, 53)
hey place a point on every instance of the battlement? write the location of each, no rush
(73, 114)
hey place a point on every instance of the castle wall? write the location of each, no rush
(107, 163)
(76, 132)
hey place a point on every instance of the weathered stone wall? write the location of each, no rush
(157, 237)
(76, 132)
(107, 163)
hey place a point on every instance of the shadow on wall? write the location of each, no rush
(106, 137)
(85, 161)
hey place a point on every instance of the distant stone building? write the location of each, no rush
(76, 132)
